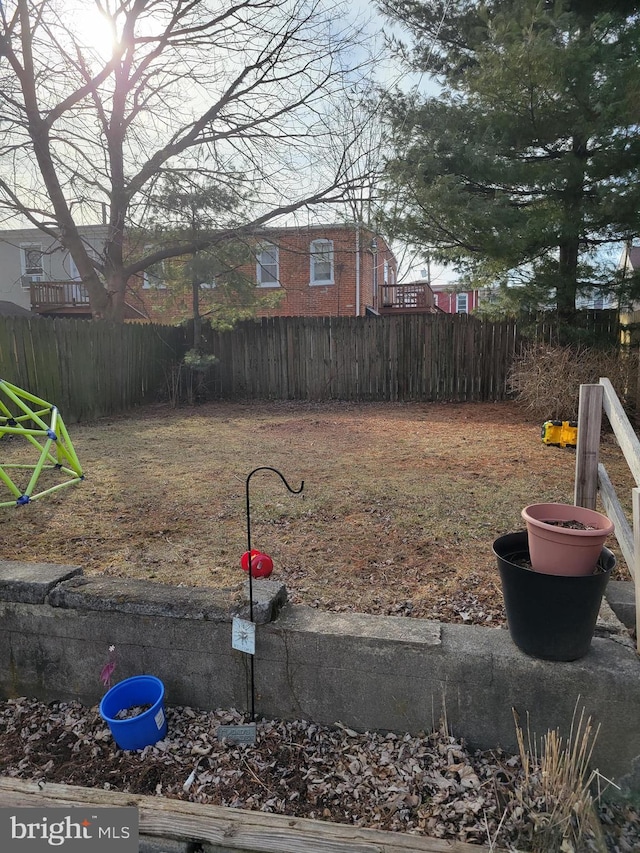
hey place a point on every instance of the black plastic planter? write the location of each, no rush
(552, 617)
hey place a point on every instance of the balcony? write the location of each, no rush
(406, 299)
(59, 298)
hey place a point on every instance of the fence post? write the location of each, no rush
(589, 422)
(635, 569)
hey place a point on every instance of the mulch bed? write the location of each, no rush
(430, 784)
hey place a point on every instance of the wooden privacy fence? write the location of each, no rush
(94, 368)
(410, 357)
(592, 475)
(590, 326)
(88, 368)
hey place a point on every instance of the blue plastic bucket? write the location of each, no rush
(145, 728)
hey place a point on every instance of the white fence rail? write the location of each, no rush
(591, 474)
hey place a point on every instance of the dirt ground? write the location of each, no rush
(401, 502)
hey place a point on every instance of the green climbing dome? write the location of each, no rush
(39, 423)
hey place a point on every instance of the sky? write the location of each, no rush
(412, 265)
(389, 73)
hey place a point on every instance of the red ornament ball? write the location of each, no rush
(244, 560)
(261, 564)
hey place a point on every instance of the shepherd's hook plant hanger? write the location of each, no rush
(293, 492)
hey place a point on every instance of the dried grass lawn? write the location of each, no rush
(400, 506)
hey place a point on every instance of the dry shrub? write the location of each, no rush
(547, 379)
(552, 801)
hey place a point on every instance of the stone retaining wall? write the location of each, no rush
(368, 672)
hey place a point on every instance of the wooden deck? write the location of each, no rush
(225, 829)
(406, 299)
(64, 297)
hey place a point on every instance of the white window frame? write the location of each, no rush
(263, 266)
(317, 248)
(462, 299)
(74, 273)
(154, 282)
(28, 277)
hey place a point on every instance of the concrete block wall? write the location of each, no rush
(368, 672)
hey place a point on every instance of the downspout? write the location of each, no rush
(358, 270)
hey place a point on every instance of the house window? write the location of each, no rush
(268, 266)
(321, 262)
(31, 263)
(153, 278)
(462, 303)
(74, 274)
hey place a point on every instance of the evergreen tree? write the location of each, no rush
(526, 164)
(185, 210)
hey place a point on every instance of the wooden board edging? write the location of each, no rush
(237, 829)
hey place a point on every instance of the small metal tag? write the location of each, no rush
(237, 734)
(243, 635)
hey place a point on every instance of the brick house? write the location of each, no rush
(451, 300)
(309, 271)
(313, 271)
(337, 270)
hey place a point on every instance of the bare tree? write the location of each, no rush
(364, 158)
(238, 93)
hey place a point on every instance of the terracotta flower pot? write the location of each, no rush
(563, 550)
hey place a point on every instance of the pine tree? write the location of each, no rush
(526, 163)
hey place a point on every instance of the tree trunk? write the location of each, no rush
(569, 246)
(114, 299)
(197, 325)
(98, 296)
(567, 280)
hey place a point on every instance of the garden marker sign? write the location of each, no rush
(243, 631)
(243, 636)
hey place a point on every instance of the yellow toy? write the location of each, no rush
(560, 433)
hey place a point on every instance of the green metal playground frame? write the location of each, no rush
(40, 424)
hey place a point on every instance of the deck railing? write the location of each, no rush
(404, 296)
(591, 474)
(57, 294)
